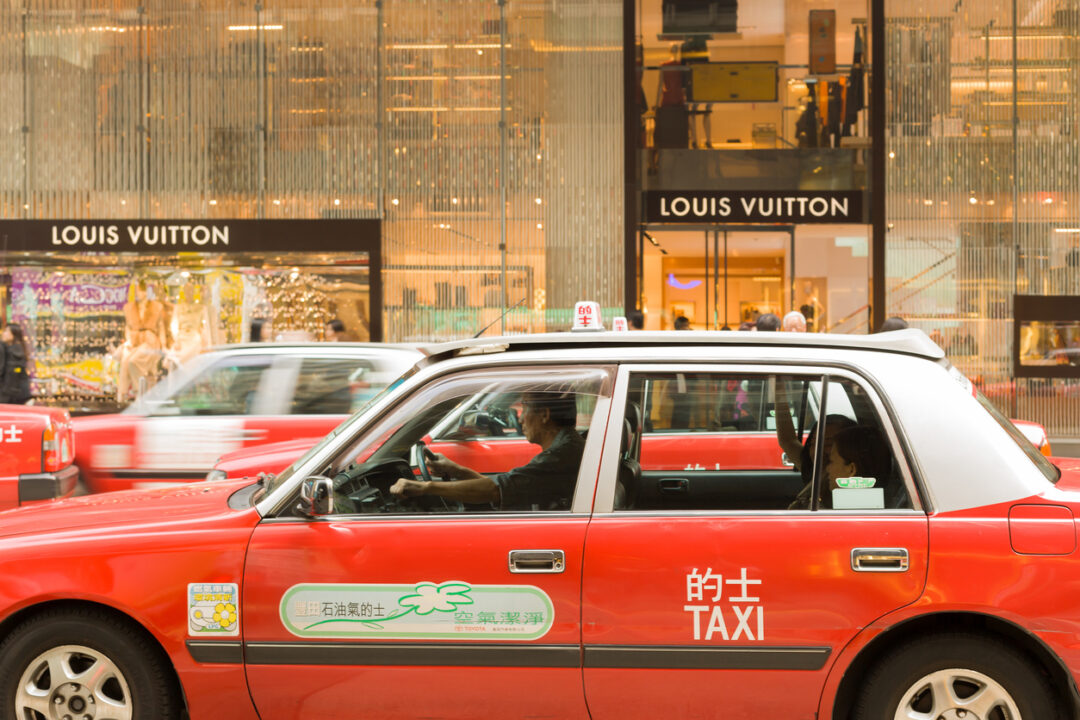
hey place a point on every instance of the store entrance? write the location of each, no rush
(715, 276)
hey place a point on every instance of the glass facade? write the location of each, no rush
(761, 110)
(489, 139)
(485, 135)
(982, 188)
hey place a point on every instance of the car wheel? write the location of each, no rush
(83, 665)
(955, 676)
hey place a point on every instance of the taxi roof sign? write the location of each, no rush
(619, 324)
(587, 317)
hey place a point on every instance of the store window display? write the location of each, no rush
(104, 332)
(193, 328)
(146, 333)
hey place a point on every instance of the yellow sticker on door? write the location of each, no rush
(213, 609)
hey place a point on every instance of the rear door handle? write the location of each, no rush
(537, 561)
(674, 486)
(879, 559)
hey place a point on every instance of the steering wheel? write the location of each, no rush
(418, 454)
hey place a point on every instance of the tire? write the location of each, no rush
(955, 676)
(111, 670)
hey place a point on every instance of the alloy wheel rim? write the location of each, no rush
(72, 682)
(957, 694)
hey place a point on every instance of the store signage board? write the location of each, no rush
(755, 206)
(190, 235)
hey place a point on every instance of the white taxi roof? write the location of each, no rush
(907, 342)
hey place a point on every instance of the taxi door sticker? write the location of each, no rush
(738, 616)
(213, 609)
(426, 610)
(12, 434)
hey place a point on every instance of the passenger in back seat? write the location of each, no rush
(804, 457)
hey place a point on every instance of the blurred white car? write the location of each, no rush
(231, 398)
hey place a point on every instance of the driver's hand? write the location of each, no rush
(408, 488)
(439, 464)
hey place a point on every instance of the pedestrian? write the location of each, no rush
(794, 321)
(636, 320)
(14, 377)
(261, 330)
(893, 323)
(334, 332)
(682, 323)
(747, 326)
(768, 322)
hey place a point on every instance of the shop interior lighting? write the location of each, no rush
(247, 28)
(1023, 36)
(539, 201)
(1067, 230)
(448, 46)
(973, 200)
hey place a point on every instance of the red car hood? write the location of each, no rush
(271, 458)
(130, 508)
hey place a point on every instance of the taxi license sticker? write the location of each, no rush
(426, 610)
(856, 482)
(213, 609)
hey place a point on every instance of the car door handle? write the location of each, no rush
(253, 434)
(879, 559)
(674, 486)
(537, 561)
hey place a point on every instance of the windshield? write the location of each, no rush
(281, 477)
(1045, 466)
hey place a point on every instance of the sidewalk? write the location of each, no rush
(1065, 447)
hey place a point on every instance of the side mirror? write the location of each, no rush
(317, 496)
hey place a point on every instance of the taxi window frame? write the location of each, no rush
(584, 490)
(605, 491)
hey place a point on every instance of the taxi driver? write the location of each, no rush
(545, 483)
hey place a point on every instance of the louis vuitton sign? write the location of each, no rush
(751, 206)
(216, 236)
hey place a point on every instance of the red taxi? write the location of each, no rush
(912, 559)
(37, 448)
(228, 399)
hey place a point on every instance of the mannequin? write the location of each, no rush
(193, 328)
(145, 335)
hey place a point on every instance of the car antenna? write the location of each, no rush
(513, 307)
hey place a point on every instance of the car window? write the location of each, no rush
(334, 386)
(1048, 469)
(442, 416)
(746, 441)
(227, 387)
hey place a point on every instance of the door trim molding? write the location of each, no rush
(427, 654)
(683, 657)
(654, 657)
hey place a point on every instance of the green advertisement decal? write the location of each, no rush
(426, 610)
